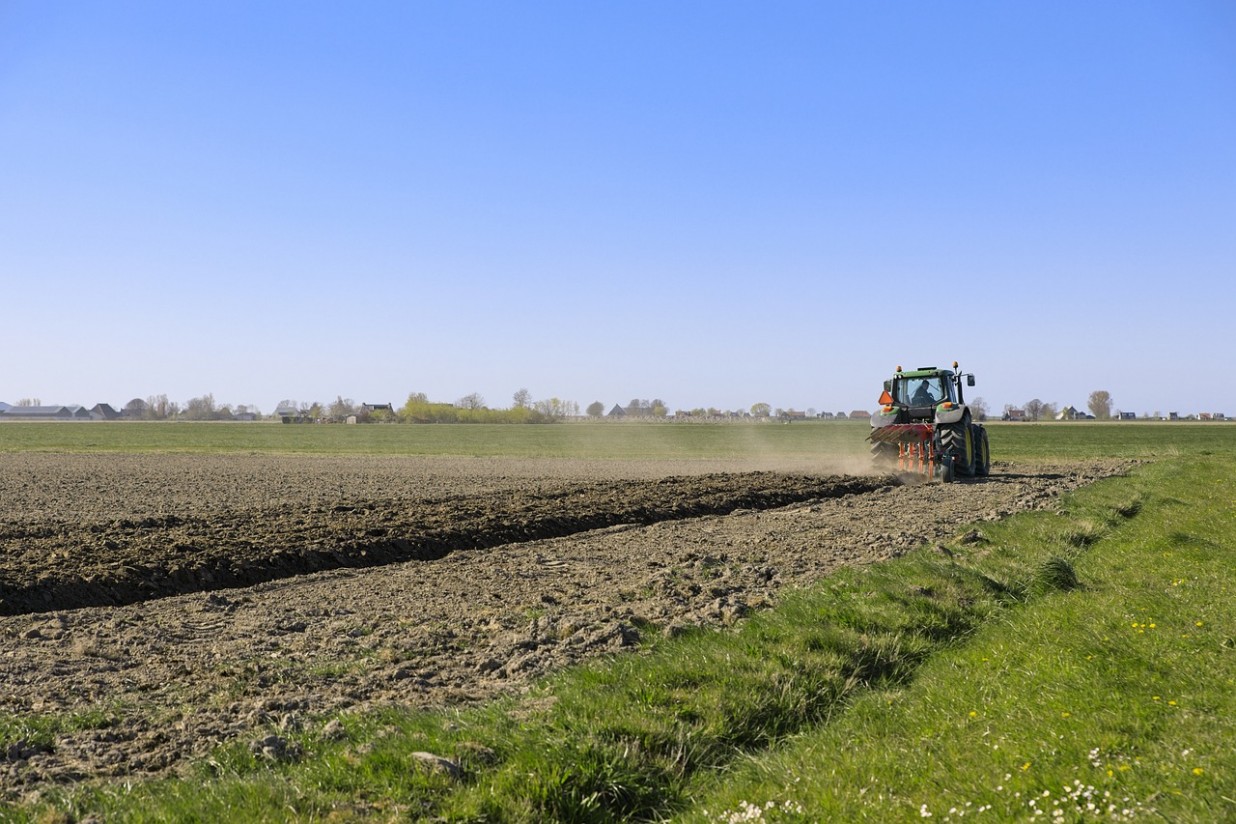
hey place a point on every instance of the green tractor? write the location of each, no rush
(924, 425)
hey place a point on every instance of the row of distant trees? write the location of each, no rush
(472, 408)
(1099, 403)
(418, 408)
(201, 408)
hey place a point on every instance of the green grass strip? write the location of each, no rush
(1113, 701)
(1076, 652)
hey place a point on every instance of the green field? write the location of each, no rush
(602, 441)
(1074, 665)
(577, 440)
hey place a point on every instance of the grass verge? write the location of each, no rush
(1112, 699)
(1077, 657)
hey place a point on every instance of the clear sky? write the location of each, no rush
(712, 203)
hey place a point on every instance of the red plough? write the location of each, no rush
(914, 445)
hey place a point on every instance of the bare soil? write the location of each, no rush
(174, 603)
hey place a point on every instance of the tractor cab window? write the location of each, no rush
(921, 391)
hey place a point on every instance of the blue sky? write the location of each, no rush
(711, 203)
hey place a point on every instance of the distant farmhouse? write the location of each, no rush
(290, 413)
(98, 412)
(47, 413)
(1072, 413)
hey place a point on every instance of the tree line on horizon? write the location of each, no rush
(472, 408)
(1099, 403)
(418, 408)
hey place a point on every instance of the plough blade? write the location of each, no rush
(909, 433)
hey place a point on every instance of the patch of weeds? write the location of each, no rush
(1083, 535)
(1057, 573)
(647, 628)
(1185, 539)
(1008, 591)
(37, 733)
(332, 670)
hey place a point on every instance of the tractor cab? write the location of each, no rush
(914, 395)
(926, 391)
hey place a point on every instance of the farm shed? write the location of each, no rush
(288, 413)
(103, 412)
(44, 413)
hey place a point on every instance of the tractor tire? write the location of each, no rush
(948, 472)
(957, 442)
(884, 456)
(982, 453)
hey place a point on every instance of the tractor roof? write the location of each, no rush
(924, 372)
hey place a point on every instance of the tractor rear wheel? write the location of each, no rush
(982, 453)
(957, 442)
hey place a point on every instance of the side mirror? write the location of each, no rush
(969, 380)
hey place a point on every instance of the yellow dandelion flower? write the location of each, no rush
(1198, 771)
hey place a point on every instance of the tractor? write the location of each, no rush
(923, 425)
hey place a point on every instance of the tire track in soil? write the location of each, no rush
(129, 561)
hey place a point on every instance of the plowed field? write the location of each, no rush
(177, 602)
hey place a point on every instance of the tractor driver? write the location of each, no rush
(922, 395)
